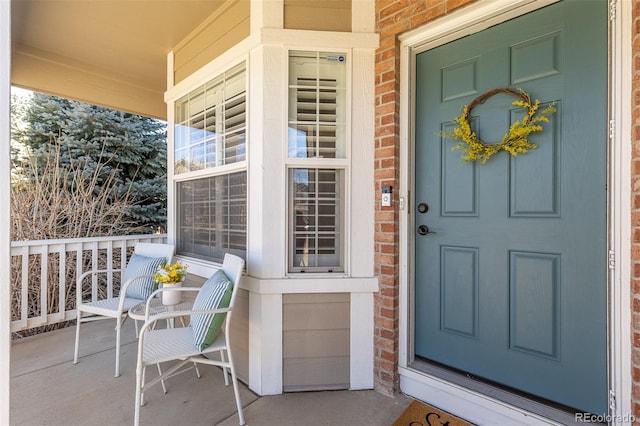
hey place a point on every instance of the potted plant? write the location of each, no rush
(171, 275)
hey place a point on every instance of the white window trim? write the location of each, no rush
(361, 47)
(215, 69)
(212, 171)
(322, 163)
(315, 270)
(185, 90)
(228, 60)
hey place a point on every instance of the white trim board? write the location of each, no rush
(5, 224)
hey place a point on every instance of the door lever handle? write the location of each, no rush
(424, 230)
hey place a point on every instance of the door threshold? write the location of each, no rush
(548, 410)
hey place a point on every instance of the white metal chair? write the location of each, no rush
(137, 278)
(185, 344)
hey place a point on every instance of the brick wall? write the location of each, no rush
(393, 17)
(635, 212)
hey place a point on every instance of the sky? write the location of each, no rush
(20, 92)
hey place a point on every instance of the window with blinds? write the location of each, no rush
(212, 216)
(316, 166)
(210, 132)
(210, 127)
(316, 217)
(317, 112)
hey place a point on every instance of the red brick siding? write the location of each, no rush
(635, 212)
(393, 17)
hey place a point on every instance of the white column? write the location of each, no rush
(361, 360)
(5, 242)
(362, 154)
(363, 16)
(171, 196)
(267, 144)
(266, 14)
(265, 343)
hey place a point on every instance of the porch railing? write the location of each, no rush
(43, 274)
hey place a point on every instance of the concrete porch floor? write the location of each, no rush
(47, 389)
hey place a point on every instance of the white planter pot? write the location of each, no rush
(171, 297)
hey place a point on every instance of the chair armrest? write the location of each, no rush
(125, 286)
(84, 275)
(184, 313)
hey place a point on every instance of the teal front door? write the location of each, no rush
(510, 255)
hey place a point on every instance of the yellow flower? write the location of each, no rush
(515, 141)
(171, 273)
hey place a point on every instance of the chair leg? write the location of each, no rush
(118, 328)
(236, 392)
(225, 372)
(75, 351)
(144, 371)
(139, 384)
(195, 365)
(164, 386)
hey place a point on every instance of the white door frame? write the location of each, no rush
(469, 20)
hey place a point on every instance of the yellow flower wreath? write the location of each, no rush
(515, 141)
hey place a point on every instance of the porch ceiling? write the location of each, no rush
(106, 52)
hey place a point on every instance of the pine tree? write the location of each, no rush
(103, 140)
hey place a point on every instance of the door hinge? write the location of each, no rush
(612, 129)
(612, 9)
(612, 259)
(612, 400)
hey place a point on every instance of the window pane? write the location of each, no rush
(317, 105)
(210, 128)
(316, 200)
(212, 216)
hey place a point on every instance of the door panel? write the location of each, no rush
(511, 281)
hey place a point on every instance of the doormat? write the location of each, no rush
(421, 414)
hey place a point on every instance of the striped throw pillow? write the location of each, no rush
(141, 288)
(214, 294)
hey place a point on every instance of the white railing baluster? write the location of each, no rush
(27, 316)
(44, 283)
(24, 294)
(123, 259)
(79, 270)
(62, 280)
(110, 266)
(94, 265)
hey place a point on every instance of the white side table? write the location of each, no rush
(156, 307)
